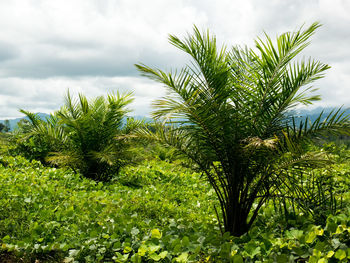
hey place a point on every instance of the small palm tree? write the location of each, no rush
(229, 112)
(88, 136)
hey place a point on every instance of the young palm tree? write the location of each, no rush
(229, 112)
(89, 136)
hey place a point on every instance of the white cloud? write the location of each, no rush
(46, 95)
(48, 46)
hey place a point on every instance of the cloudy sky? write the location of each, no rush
(91, 46)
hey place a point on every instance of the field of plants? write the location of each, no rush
(223, 173)
(156, 211)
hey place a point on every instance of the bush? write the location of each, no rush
(89, 136)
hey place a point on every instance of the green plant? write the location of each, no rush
(2, 127)
(88, 136)
(5, 127)
(32, 146)
(229, 113)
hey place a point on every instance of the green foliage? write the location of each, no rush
(32, 146)
(155, 150)
(317, 192)
(50, 209)
(5, 127)
(88, 136)
(229, 112)
(2, 127)
(55, 215)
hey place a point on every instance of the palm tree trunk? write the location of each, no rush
(236, 221)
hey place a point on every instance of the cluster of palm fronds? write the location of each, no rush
(89, 136)
(229, 113)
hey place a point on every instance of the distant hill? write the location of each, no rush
(43, 116)
(13, 122)
(301, 115)
(315, 113)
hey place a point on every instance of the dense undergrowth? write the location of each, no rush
(155, 211)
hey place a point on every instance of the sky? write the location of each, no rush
(91, 46)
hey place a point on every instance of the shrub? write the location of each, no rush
(89, 136)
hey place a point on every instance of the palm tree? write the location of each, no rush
(229, 112)
(88, 136)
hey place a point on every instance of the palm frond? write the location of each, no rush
(33, 118)
(87, 135)
(336, 122)
(65, 159)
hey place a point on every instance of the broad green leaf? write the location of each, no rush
(317, 253)
(127, 249)
(155, 233)
(136, 258)
(155, 256)
(319, 231)
(153, 248)
(310, 237)
(296, 233)
(237, 259)
(330, 254)
(340, 254)
(312, 259)
(182, 258)
(122, 257)
(331, 226)
(163, 254)
(142, 250)
(340, 229)
(320, 246)
(185, 241)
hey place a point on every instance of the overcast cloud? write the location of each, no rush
(91, 46)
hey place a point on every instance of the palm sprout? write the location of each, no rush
(88, 136)
(229, 112)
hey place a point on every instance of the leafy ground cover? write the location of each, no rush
(153, 212)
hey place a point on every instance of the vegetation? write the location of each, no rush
(54, 215)
(68, 195)
(229, 112)
(88, 136)
(2, 127)
(5, 127)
